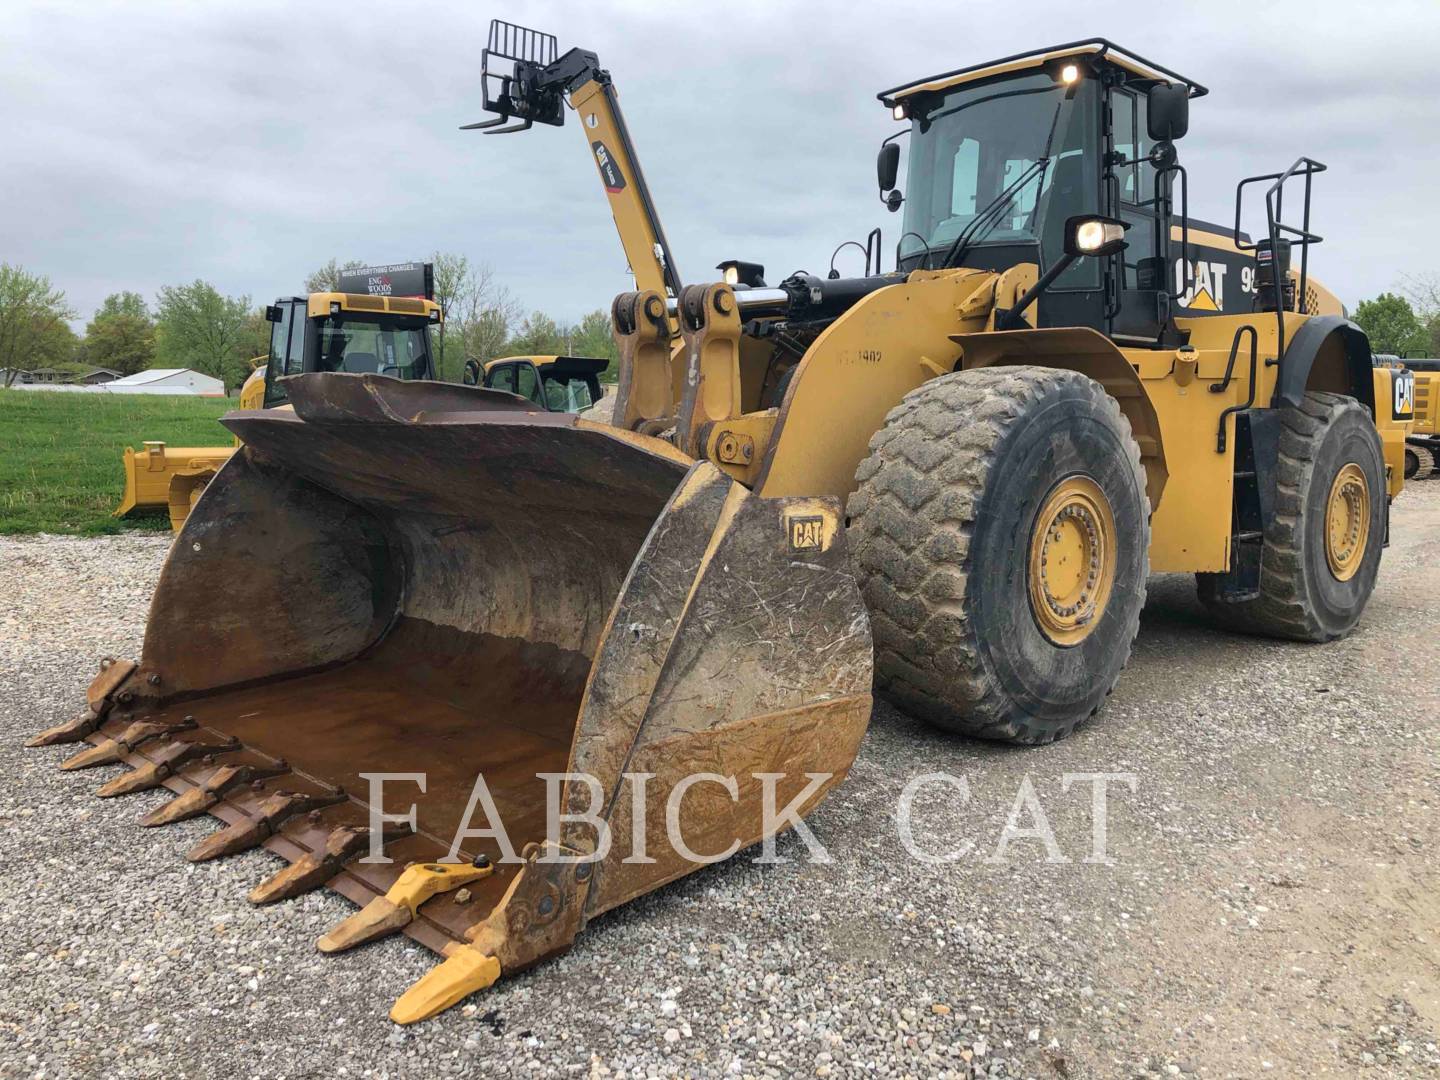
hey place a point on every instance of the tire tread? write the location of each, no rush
(913, 518)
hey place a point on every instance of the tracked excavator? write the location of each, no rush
(950, 478)
(1422, 448)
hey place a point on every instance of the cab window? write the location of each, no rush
(976, 171)
(383, 345)
(276, 365)
(1134, 184)
(527, 381)
(567, 395)
(501, 377)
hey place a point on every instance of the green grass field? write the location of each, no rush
(61, 455)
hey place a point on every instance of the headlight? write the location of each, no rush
(1090, 235)
(1094, 235)
(899, 112)
(737, 273)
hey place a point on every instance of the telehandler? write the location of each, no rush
(980, 455)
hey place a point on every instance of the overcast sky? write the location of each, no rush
(246, 143)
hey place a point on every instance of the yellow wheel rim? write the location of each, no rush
(1072, 560)
(1347, 522)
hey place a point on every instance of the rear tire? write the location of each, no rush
(1321, 549)
(991, 501)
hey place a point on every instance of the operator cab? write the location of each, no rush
(1002, 155)
(361, 334)
(555, 383)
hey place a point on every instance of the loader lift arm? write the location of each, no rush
(536, 88)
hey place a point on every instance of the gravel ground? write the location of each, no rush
(1273, 904)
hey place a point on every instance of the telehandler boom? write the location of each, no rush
(953, 477)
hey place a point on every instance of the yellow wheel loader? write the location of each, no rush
(491, 670)
(328, 331)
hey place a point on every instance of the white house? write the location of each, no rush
(167, 381)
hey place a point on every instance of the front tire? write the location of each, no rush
(1322, 546)
(1001, 535)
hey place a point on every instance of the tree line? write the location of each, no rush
(1405, 323)
(196, 326)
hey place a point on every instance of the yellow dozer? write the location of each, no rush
(174, 476)
(576, 661)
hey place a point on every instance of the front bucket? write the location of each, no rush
(440, 590)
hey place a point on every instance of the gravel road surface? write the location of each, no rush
(1271, 904)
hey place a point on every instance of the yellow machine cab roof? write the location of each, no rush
(559, 365)
(323, 303)
(1095, 49)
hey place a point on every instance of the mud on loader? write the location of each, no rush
(980, 454)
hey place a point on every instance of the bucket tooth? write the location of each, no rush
(113, 674)
(198, 800)
(318, 867)
(273, 812)
(154, 773)
(379, 918)
(393, 912)
(71, 731)
(449, 982)
(113, 750)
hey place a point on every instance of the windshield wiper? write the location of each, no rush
(983, 224)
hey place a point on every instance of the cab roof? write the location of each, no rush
(558, 365)
(1098, 49)
(319, 304)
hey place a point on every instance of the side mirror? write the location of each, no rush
(1094, 236)
(272, 312)
(1169, 112)
(887, 166)
(471, 375)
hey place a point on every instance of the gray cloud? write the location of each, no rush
(246, 144)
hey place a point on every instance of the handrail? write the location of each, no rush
(1274, 207)
(1220, 387)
